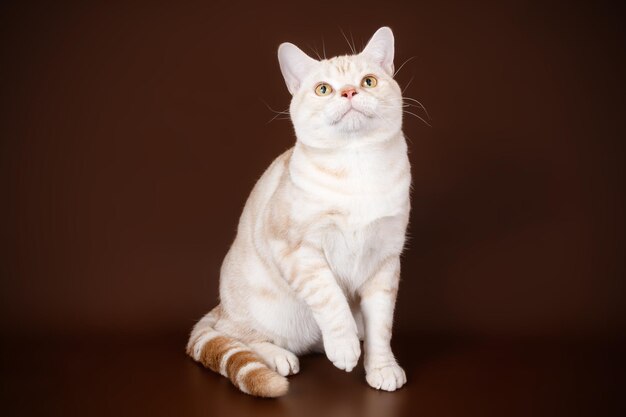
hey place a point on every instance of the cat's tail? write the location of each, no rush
(233, 359)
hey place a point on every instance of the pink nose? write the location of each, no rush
(348, 92)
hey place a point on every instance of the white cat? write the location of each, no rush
(316, 262)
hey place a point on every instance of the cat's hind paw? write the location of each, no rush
(286, 363)
(277, 358)
(388, 378)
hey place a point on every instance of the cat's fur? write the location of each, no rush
(316, 262)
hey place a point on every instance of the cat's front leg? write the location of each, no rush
(308, 273)
(378, 298)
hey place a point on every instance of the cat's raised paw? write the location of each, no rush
(388, 378)
(344, 353)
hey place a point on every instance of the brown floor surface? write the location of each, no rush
(91, 377)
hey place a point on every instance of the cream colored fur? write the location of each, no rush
(315, 264)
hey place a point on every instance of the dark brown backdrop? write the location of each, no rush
(131, 135)
(132, 132)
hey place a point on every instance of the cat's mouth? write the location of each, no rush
(352, 109)
(351, 113)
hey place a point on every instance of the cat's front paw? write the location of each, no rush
(343, 352)
(388, 377)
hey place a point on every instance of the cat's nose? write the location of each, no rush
(348, 92)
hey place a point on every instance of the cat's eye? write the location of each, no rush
(323, 89)
(369, 81)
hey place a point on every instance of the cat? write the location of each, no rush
(315, 264)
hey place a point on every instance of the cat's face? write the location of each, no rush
(344, 98)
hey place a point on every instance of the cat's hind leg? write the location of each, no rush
(277, 358)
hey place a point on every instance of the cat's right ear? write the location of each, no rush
(294, 64)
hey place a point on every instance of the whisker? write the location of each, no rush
(277, 113)
(419, 104)
(349, 44)
(277, 117)
(408, 112)
(315, 51)
(408, 84)
(286, 111)
(416, 104)
(402, 105)
(323, 48)
(394, 104)
(403, 64)
(353, 44)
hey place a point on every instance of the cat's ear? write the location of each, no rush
(294, 64)
(380, 48)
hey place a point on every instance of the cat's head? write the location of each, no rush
(345, 98)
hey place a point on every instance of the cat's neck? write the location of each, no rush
(372, 149)
(354, 167)
(377, 146)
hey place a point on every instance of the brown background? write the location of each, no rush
(131, 135)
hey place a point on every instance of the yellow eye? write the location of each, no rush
(369, 81)
(323, 89)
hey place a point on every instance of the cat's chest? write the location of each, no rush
(353, 253)
(357, 205)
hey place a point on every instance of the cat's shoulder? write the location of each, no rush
(284, 157)
(276, 170)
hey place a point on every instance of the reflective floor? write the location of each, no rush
(446, 378)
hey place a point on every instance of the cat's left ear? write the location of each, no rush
(294, 64)
(380, 48)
